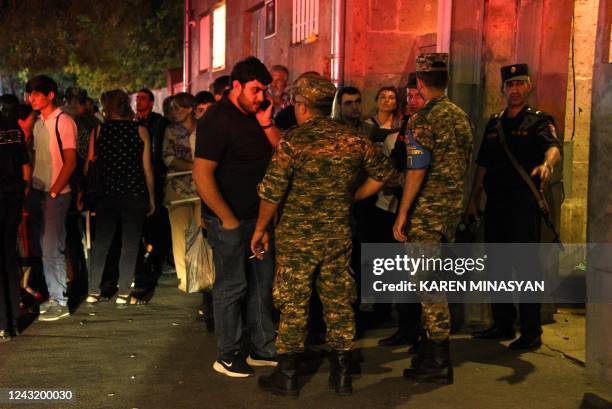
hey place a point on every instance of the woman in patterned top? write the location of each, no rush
(122, 152)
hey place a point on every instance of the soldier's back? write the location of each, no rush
(327, 157)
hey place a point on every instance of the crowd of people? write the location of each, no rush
(284, 190)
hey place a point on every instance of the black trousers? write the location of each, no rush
(514, 218)
(11, 200)
(110, 213)
(157, 233)
(409, 314)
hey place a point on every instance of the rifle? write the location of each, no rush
(537, 194)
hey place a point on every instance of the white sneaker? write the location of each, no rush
(54, 313)
(255, 360)
(44, 307)
(234, 368)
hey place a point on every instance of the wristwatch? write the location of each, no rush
(270, 125)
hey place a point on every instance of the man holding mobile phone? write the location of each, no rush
(234, 143)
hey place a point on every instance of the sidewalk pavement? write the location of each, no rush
(160, 356)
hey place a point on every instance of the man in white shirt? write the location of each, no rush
(54, 145)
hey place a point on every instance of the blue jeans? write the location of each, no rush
(241, 281)
(47, 220)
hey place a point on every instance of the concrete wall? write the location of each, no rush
(383, 39)
(535, 32)
(599, 274)
(466, 55)
(574, 212)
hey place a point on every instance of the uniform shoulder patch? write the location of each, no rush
(536, 112)
(497, 115)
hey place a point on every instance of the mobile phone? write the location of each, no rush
(265, 104)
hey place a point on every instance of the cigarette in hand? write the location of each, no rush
(254, 255)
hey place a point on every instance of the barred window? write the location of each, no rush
(305, 28)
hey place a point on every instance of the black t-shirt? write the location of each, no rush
(240, 147)
(529, 135)
(156, 125)
(13, 155)
(285, 118)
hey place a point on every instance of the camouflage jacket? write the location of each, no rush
(446, 131)
(314, 170)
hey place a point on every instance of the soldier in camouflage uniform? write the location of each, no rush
(313, 172)
(439, 139)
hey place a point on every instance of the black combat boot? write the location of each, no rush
(340, 372)
(284, 379)
(431, 364)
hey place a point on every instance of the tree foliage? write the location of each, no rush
(95, 45)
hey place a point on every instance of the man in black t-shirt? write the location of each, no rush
(234, 143)
(512, 214)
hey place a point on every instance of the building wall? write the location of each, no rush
(382, 40)
(277, 49)
(536, 32)
(578, 123)
(599, 274)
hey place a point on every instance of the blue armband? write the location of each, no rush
(417, 156)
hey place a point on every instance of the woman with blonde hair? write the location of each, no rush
(122, 153)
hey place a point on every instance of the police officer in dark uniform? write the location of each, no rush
(512, 214)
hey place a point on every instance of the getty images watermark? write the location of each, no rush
(459, 266)
(501, 272)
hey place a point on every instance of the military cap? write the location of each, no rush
(412, 82)
(432, 62)
(316, 89)
(515, 72)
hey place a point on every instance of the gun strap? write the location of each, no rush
(537, 194)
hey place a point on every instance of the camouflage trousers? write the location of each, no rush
(435, 315)
(297, 262)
